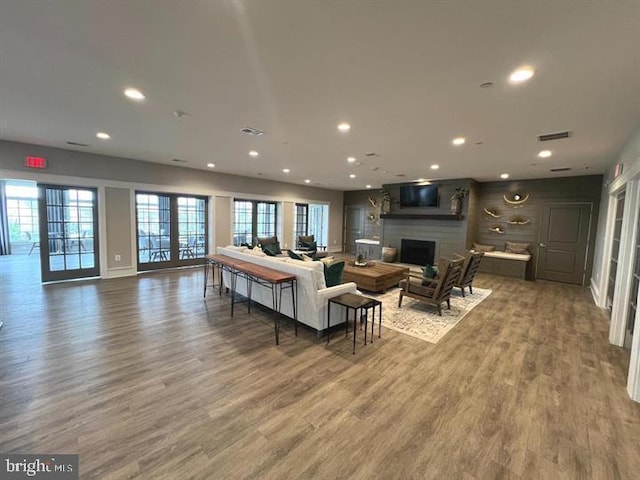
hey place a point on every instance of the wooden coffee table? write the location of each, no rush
(375, 276)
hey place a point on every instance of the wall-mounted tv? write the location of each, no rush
(419, 196)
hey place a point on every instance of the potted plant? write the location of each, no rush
(456, 200)
(386, 201)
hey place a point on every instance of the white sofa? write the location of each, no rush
(313, 294)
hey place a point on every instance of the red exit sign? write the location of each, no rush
(35, 162)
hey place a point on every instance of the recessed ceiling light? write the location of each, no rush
(285, 170)
(134, 94)
(253, 153)
(344, 127)
(522, 74)
(435, 167)
(353, 175)
(211, 165)
(421, 180)
(307, 181)
(458, 141)
(103, 135)
(368, 186)
(351, 159)
(504, 175)
(544, 154)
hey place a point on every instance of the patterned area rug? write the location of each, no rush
(419, 320)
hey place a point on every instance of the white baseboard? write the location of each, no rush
(595, 292)
(121, 272)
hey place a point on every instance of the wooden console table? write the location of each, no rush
(275, 280)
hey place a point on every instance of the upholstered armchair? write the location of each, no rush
(433, 291)
(307, 243)
(469, 269)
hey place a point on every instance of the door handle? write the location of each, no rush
(543, 245)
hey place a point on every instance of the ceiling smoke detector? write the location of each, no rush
(251, 131)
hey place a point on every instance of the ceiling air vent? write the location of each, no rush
(251, 131)
(371, 154)
(563, 169)
(547, 137)
(76, 144)
(178, 160)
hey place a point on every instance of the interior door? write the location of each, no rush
(354, 224)
(564, 238)
(68, 221)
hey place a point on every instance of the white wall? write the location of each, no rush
(629, 180)
(68, 167)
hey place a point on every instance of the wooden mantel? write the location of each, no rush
(421, 216)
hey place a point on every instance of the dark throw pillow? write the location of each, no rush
(333, 273)
(272, 249)
(311, 246)
(428, 272)
(513, 247)
(294, 255)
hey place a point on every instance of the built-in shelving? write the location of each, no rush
(422, 216)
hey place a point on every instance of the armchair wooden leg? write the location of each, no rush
(400, 300)
(448, 304)
(462, 288)
(470, 290)
(439, 310)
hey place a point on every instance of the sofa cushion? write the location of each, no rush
(333, 273)
(262, 241)
(312, 246)
(257, 251)
(272, 249)
(513, 247)
(294, 255)
(478, 247)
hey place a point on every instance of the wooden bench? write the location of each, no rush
(503, 263)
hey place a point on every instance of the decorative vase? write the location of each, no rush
(386, 206)
(389, 254)
(455, 206)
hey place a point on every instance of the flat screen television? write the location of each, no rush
(419, 196)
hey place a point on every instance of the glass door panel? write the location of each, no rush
(68, 222)
(172, 230)
(192, 227)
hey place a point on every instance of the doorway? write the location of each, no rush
(68, 224)
(564, 240)
(354, 221)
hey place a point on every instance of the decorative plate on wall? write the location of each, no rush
(515, 198)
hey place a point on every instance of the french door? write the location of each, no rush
(171, 230)
(68, 222)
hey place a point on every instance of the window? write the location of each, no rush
(252, 218)
(22, 212)
(319, 223)
(301, 222)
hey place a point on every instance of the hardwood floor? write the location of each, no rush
(144, 379)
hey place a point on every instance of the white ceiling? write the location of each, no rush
(406, 75)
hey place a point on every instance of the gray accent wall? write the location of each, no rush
(450, 235)
(541, 192)
(456, 236)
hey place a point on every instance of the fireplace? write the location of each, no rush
(417, 252)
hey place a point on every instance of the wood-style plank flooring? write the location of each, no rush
(144, 379)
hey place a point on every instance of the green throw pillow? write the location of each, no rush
(272, 249)
(294, 255)
(312, 246)
(428, 271)
(333, 273)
